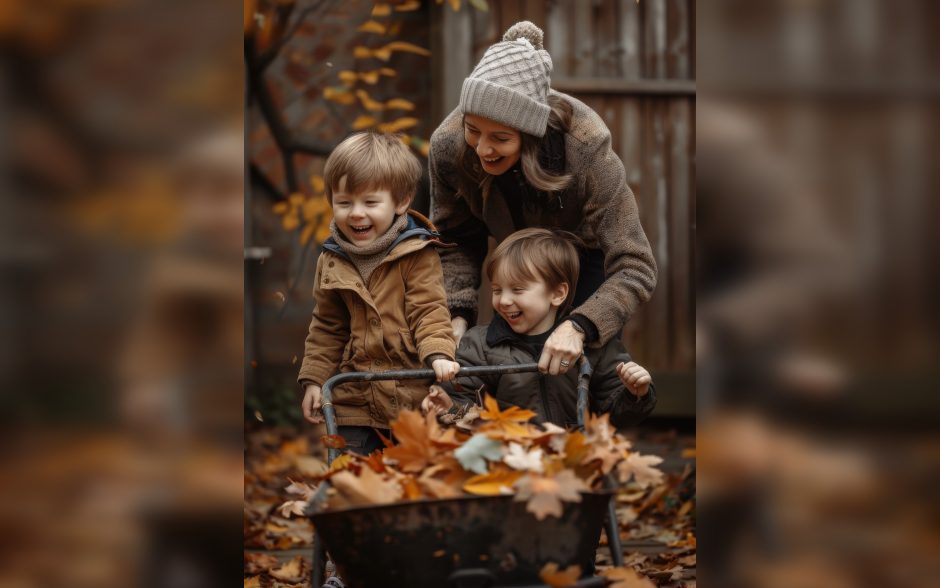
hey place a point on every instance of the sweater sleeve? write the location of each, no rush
(609, 395)
(425, 310)
(456, 223)
(611, 214)
(327, 335)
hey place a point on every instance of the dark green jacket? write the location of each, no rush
(554, 398)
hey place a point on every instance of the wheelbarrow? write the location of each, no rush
(473, 541)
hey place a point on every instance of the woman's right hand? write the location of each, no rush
(311, 405)
(459, 325)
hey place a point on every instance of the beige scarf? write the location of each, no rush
(368, 257)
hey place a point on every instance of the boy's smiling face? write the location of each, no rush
(366, 216)
(529, 306)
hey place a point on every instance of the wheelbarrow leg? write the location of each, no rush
(613, 533)
(318, 575)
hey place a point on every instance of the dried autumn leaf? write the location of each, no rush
(640, 467)
(626, 578)
(556, 578)
(474, 453)
(367, 488)
(507, 422)
(520, 459)
(253, 582)
(544, 494)
(407, 47)
(398, 125)
(291, 571)
(381, 9)
(399, 104)
(293, 508)
(363, 121)
(371, 26)
(437, 488)
(411, 488)
(413, 452)
(305, 491)
(497, 482)
(409, 6)
(255, 563)
(316, 182)
(341, 462)
(333, 441)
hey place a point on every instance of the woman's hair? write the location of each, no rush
(538, 254)
(537, 176)
(371, 160)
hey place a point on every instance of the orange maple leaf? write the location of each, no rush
(544, 494)
(556, 578)
(510, 423)
(366, 488)
(413, 452)
(493, 483)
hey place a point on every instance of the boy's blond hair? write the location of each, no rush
(372, 161)
(538, 255)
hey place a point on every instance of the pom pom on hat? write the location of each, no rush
(525, 30)
(511, 83)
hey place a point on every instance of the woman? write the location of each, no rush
(517, 154)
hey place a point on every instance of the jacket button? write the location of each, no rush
(358, 285)
(374, 322)
(377, 362)
(331, 264)
(326, 280)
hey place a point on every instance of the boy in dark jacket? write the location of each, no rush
(534, 275)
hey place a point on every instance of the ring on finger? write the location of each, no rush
(565, 363)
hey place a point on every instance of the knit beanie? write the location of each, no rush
(510, 84)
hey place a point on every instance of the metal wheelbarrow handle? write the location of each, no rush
(326, 393)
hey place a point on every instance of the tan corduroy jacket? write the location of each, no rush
(397, 322)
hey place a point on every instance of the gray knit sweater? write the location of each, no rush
(599, 207)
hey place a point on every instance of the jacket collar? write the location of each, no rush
(498, 332)
(417, 227)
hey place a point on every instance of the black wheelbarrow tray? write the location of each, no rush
(461, 542)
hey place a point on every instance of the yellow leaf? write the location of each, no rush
(253, 582)
(496, 482)
(306, 233)
(290, 222)
(398, 125)
(363, 122)
(369, 77)
(315, 206)
(296, 199)
(360, 52)
(348, 77)
(341, 462)
(383, 53)
(371, 26)
(408, 47)
(368, 103)
(280, 207)
(381, 10)
(316, 182)
(387, 71)
(340, 95)
(408, 6)
(400, 103)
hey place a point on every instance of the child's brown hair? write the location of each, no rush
(370, 160)
(538, 255)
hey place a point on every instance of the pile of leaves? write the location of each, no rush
(487, 452)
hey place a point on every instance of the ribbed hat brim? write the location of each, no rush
(504, 105)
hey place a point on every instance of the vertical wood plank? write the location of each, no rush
(606, 39)
(654, 39)
(582, 43)
(630, 38)
(557, 39)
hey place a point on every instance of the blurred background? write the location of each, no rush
(816, 297)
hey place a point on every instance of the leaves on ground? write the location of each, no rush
(556, 578)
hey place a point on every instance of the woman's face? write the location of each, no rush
(497, 145)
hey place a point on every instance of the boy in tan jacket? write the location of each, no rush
(380, 303)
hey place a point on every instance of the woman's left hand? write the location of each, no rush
(563, 348)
